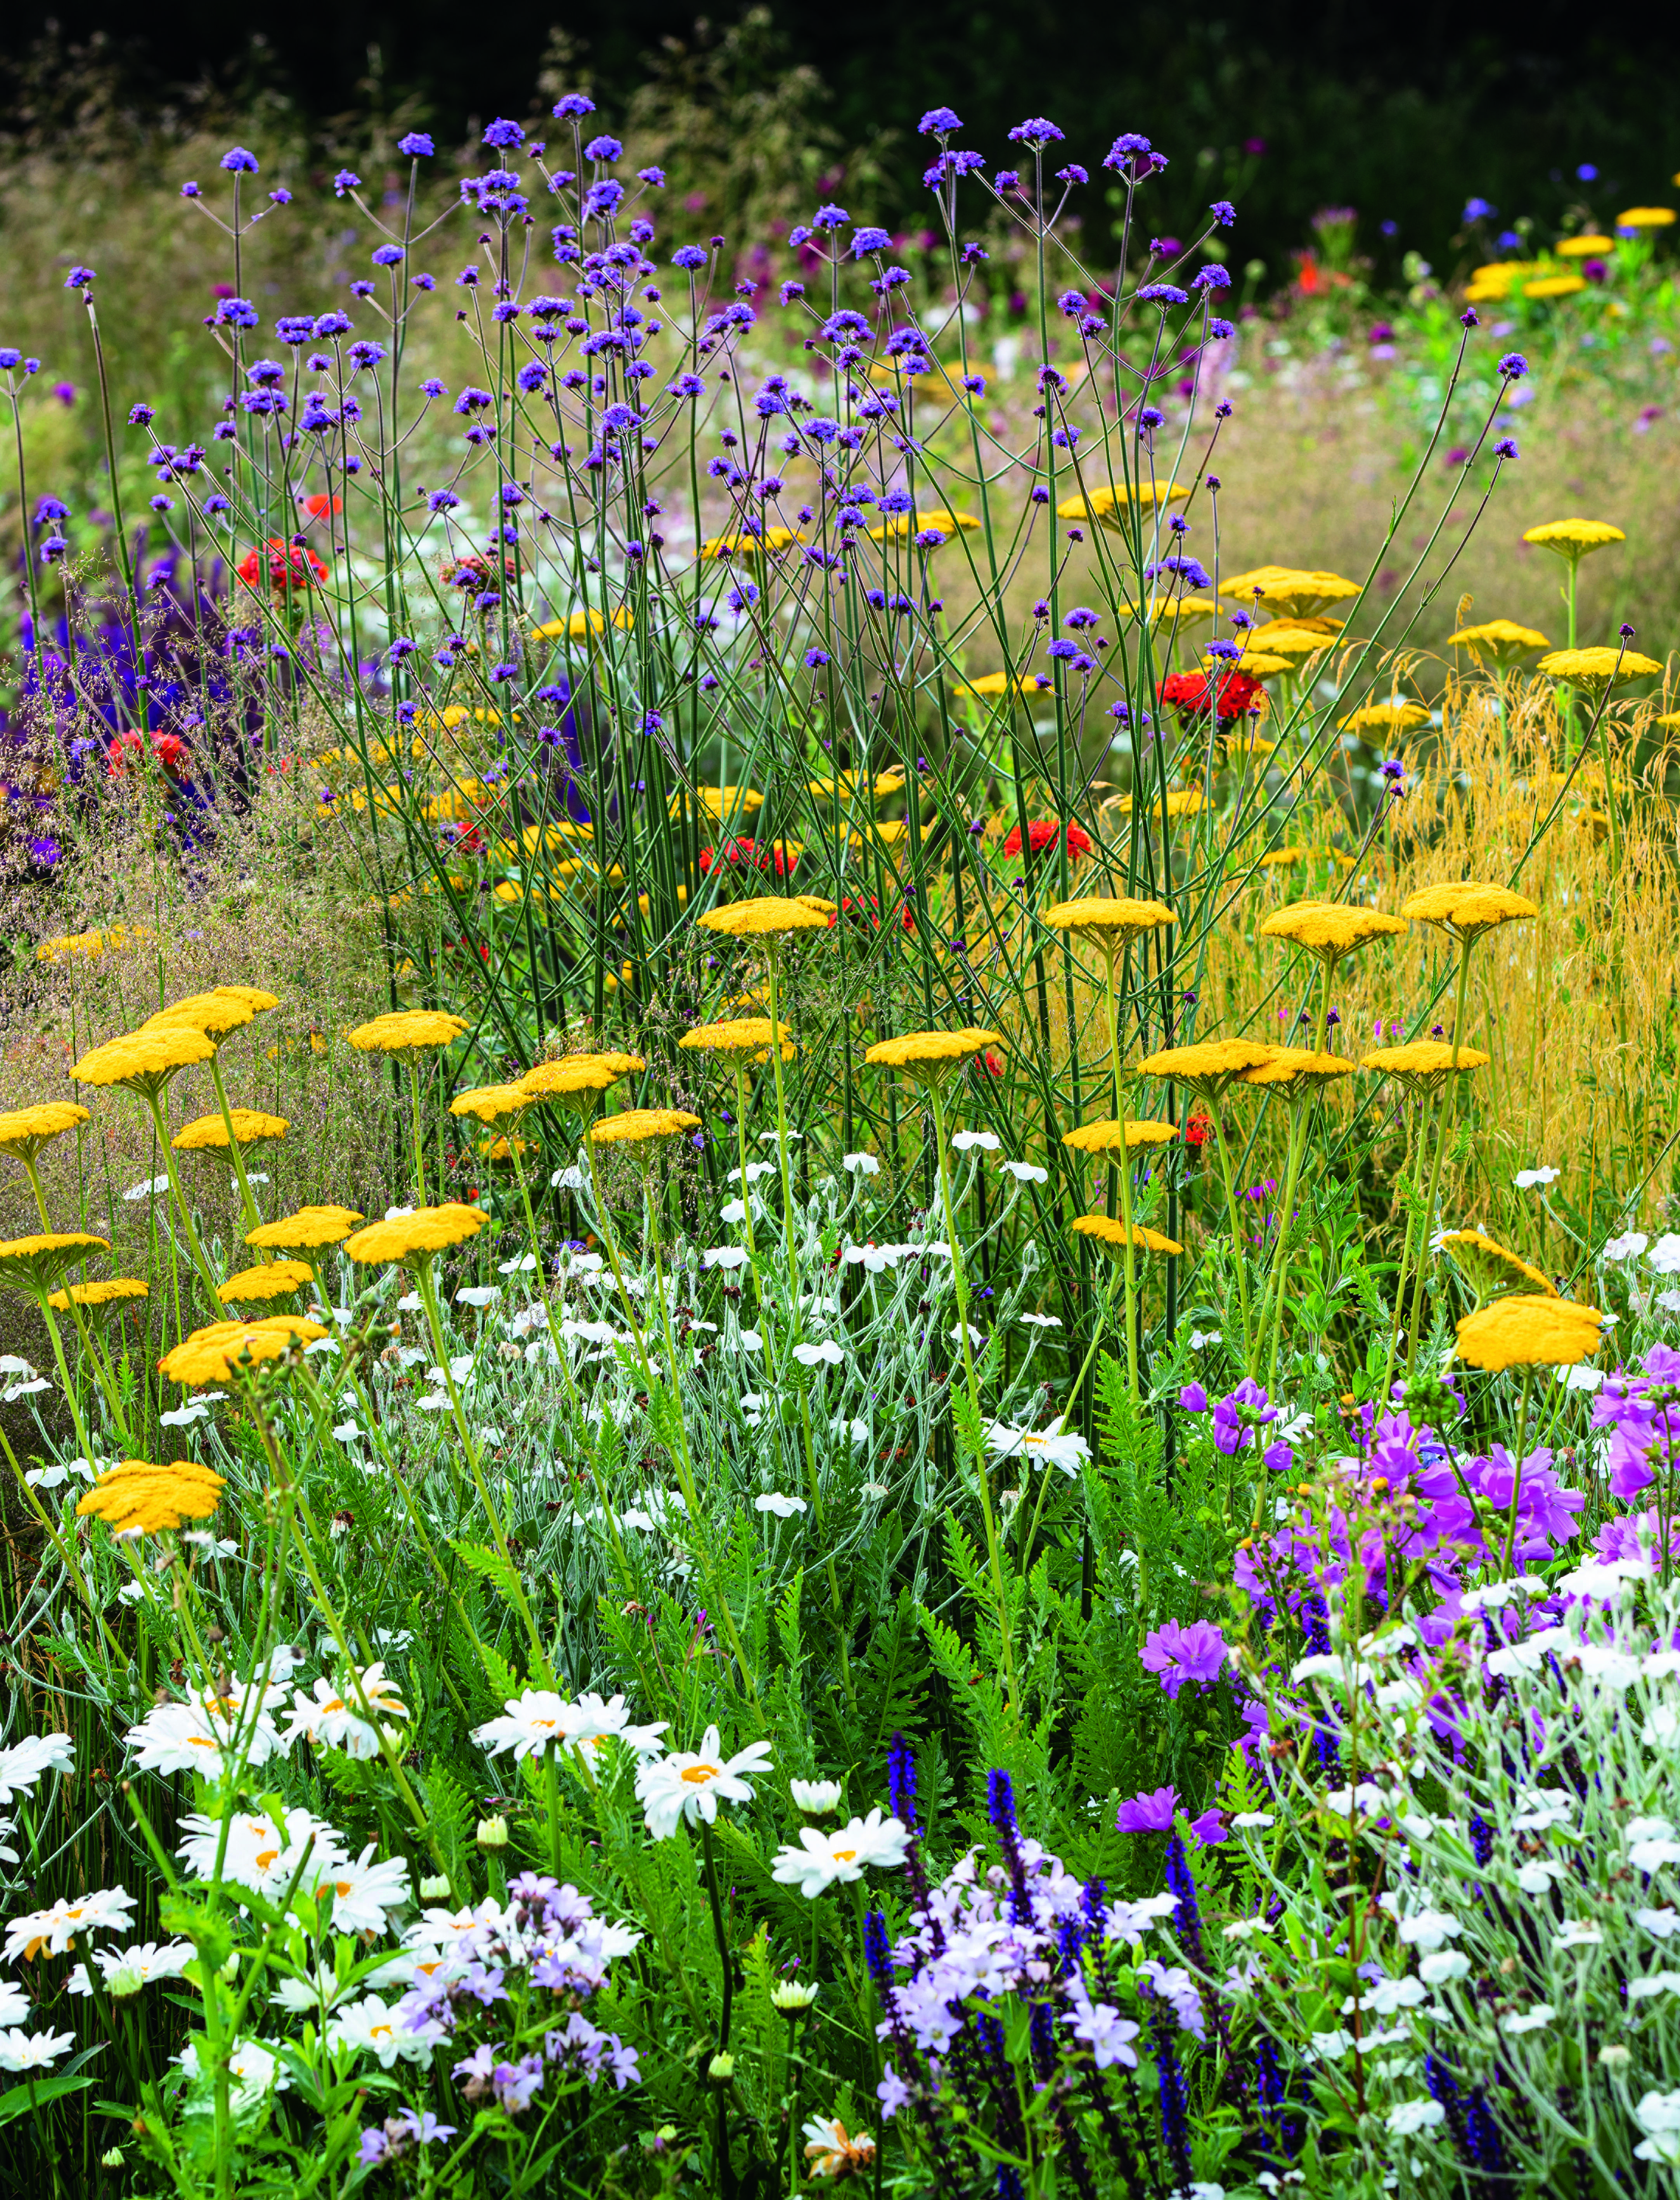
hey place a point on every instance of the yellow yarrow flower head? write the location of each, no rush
(576, 1081)
(1291, 588)
(848, 785)
(1331, 930)
(208, 1134)
(1597, 665)
(138, 1497)
(40, 1264)
(1395, 718)
(1573, 539)
(143, 1062)
(1554, 286)
(215, 1014)
(1106, 918)
(216, 1353)
(1111, 1136)
(721, 549)
(641, 1126)
(415, 1237)
(1110, 1231)
(1491, 1269)
(1584, 247)
(115, 1290)
(491, 1102)
(253, 996)
(1645, 218)
(1209, 1068)
(1297, 1069)
(276, 1279)
(1422, 1066)
(1529, 1332)
(405, 1031)
(748, 1036)
(988, 684)
(1466, 910)
(928, 1057)
(765, 916)
(1108, 507)
(1502, 639)
(309, 1227)
(25, 1130)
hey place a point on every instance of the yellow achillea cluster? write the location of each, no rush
(144, 1061)
(407, 1030)
(1292, 1067)
(1573, 538)
(214, 1014)
(251, 1127)
(1118, 917)
(1108, 506)
(1331, 930)
(904, 524)
(746, 1035)
(137, 1497)
(1108, 1230)
(25, 1130)
(1468, 909)
(1491, 1269)
(1586, 666)
(768, 913)
(111, 1292)
(575, 1081)
(38, 1263)
(928, 1054)
(1502, 639)
(1209, 1067)
(212, 1354)
(1529, 1332)
(407, 1236)
(1291, 588)
(1423, 1065)
(1109, 1137)
(276, 1279)
(310, 1227)
(490, 1102)
(637, 1125)
(722, 547)
(1396, 717)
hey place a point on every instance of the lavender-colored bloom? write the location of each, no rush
(1148, 1813)
(1239, 1413)
(191, 191)
(1131, 151)
(374, 2147)
(938, 122)
(238, 162)
(867, 240)
(344, 181)
(603, 148)
(1006, 179)
(1163, 294)
(1218, 332)
(1478, 210)
(1180, 1654)
(416, 146)
(689, 257)
(1212, 277)
(574, 107)
(1513, 366)
(442, 499)
(503, 133)
(279, 196)
(333, 324)
(1035, 131)
(79, 277)
(1211, 1828)
(1506, 447)
(387, 255)
(1223, 213)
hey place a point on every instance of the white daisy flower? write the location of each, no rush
(691, 1786)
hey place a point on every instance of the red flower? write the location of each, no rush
(126, 748)
(1041, 834)
(1188, 692)
(857, 909)
(738, 854)
(316, 507)
(1199, 1129)
(289, 565)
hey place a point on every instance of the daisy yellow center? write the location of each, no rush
(381, 2032)
(344, 1886)
(844, 1856)
(333, 1704)
(697, 1775)
(264, 1858)
(200, 1742)
(545, 1722)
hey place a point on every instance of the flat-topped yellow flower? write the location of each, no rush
(1179, 610)
(1469, 908)
(1584, 248)
(580, 623)
(1331, 930)
(819, 904)
(848, 784)
(1573, 538)
(1112, 1136)
(1277, 859)
(215, 1352)
(403, 1031)
(25, 1130)
(311, 1226)
(1285, 638)
(1302, 590)
(253, 996)
(749, 1036)
(928, 1055)
(1399, 717)
(722, 801)
(38, 1264)
(766, 916)
(1529, 1332)
(1491, 1269)
(1258, 664)
(1422, 1066)
(1108, 1230)
(138, 1497)
(1209, 1067)
(1298, 1069)
(115, 1290)
(1108, 507)
(208, 1134)
(144, 1061)
(1598, 665)
(1554, 286)
(938, 521)
(1005, 683)
(215, 1014)
(1182, 802)
(414, 1237)
(275, 1280)
(1645, 218)
(1502, 640)
(576, 1081)
(1117, 917)
(638, 1126)
(490, 1104)
(763, 544)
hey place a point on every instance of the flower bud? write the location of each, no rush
(434, 1887)
(492, 1833)
(1612, 2058)
(721, 2069)
(792, 1999)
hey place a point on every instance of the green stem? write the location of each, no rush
(1445, 1114)
(1237, 1258)
(252, 1216)
(1129, 1255)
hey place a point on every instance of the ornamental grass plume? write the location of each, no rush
(251, 1127)
(311, 1226)
(638, 1126)
(1529, 1332)
(1491, 1269)
(415, 1237)
(136, 1497)
(218, 1352)
(1109, 1231)
(275, 1280)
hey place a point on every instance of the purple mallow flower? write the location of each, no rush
(1180, 1654)
(1147, 1813)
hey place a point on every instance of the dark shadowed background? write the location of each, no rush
(1403, 111)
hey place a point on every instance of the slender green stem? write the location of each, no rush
(1237, 1258)
(252, 1216)
(1445, 1115)
(1129, 1251)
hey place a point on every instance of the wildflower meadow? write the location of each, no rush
(841, 1275)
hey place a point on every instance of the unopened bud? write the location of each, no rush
(492, 1833)
(434, 1887)
(792, 1998)
(721, 2069)
(112, 2158)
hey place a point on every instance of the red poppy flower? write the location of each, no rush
(127, 748)
(1189, 692)
(1041, 834)
(289, 565)
(1199, 1129)
(748, 854)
